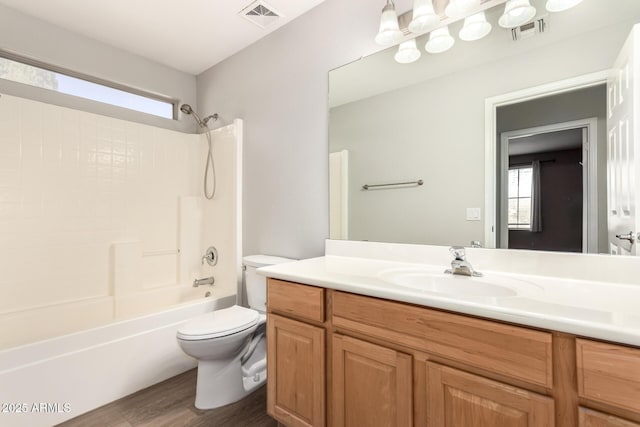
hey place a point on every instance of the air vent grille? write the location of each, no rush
(260, 10)
(530, 29)
(260, 13)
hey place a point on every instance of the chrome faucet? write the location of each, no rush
(460, 265)
(205, 281)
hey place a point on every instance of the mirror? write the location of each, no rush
(452, 129)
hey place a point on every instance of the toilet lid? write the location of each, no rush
(219, 323)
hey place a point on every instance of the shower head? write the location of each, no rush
(186, 109)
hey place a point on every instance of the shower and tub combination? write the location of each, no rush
(118, 209)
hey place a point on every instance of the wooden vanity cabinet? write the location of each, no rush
(591, 418)
(339, 359)
(371, 384)
(296, 351)
(458, 399)
(608, 377)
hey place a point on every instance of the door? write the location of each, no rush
(372, 385)
(622, 141)
(295, 372)
(458, 399)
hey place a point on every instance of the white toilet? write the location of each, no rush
(230, 344)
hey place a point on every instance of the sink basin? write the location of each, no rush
(491, 285)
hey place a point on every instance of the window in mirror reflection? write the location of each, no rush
(520, 198)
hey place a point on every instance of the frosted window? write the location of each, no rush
(39, 77)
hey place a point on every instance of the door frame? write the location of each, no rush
(343, 198)
(589, 177)
(491, 138)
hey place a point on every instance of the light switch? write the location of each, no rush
(474, 214)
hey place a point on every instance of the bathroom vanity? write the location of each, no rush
(349, 347)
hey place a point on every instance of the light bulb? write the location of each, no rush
(516, 13)
(459, 8)
(440, 41)
(389, 32)
(407, 52)
(475, 27)
(561, 5)
(424, 16)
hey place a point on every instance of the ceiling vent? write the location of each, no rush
(261, 13)
(530, 29)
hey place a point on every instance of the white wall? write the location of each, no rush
(279, 86)
(31, 37)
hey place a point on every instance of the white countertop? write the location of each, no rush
(601, 310)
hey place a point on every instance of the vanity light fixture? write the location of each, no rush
(475, 27)
(561, 5)
(459, 8)
(424, 16)
(389, 32)
(440, 40)
(516, 13)
(408, 52)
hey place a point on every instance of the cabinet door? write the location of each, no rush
(459, 399)
(295, 372)
(372, 385)
(589, 418)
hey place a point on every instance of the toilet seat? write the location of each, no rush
(219, 323)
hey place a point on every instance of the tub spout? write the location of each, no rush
(205, 281)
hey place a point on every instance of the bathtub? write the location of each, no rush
(53, 380)
(33, 324)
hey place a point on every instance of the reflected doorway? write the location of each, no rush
(545, 182)
(551, 172)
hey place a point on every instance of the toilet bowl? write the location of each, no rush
(230, 344)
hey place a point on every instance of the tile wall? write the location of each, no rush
(73, 184)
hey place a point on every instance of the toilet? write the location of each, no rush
(230, 344)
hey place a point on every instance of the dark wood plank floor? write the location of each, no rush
(170, 404)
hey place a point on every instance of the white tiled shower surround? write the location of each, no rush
(79, 191)
(103, 220)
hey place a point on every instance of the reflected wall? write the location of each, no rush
(435, 130)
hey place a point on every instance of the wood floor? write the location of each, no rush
(170, 404)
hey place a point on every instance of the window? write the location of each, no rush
(34, 73)
(520, 198)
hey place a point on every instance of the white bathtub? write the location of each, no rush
(32, 324)
(54, 380)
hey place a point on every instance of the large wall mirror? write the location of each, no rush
(511, 141)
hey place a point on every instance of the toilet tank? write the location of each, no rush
(256, 284)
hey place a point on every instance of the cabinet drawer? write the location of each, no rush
(306, 302)
(459, 399)
(513, 351)
(609, 374)
(590, 418)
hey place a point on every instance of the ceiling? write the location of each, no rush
(189, 35)
(543, 142)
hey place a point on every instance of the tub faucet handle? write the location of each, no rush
(211, 256)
